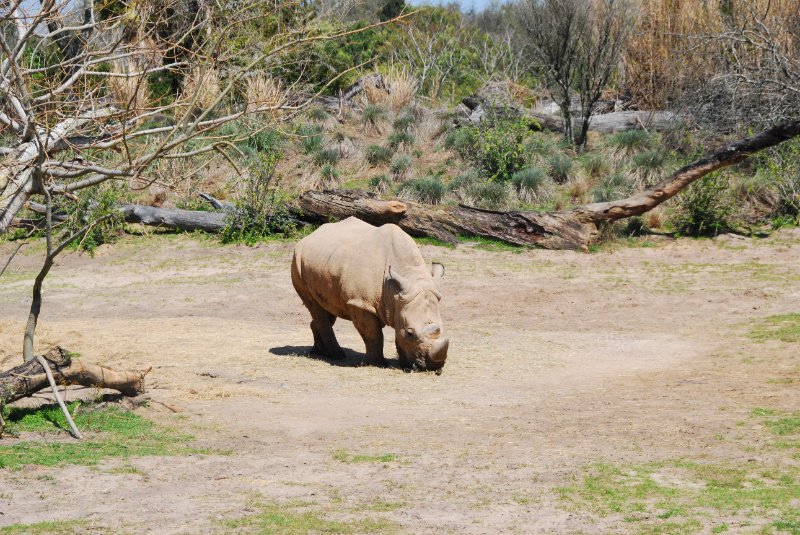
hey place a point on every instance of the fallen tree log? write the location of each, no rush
(576, 228)
(30, 377)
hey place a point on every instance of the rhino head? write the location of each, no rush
(419, 333)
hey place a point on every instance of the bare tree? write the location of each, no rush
(575, 47)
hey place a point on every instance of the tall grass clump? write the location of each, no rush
(461, 140)
(615, 186)
(310, 137)
(626, 144)
(559, 167)
(648, 166)
(318, 114)
(406, 121)
(429, 189)
(398, 138)
(531, 184)
(327, 156)
(378, 154)
(595, 165)
(400, 166)
(491, 195)
(373, 116)
(380, 183)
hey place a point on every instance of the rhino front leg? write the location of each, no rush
(370, 329)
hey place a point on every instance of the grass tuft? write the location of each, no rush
(783, 327)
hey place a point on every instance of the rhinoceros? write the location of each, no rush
(372, 276)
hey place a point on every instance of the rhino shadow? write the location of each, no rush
(352, 359)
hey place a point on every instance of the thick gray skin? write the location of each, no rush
(372, 276)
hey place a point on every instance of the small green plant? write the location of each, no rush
(559, 167)
(531, 184)
(429, 189)
(310, 137)
(398, 138)
(378, 155)
(344, 457)
(326, 157)
(466, 180)
(461, 140)
(401, 164)
(94, 204)
(372, 116)
(705, 208)
(380, 183)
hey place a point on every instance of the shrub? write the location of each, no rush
(400, 165)
(260, 211)
(461, 140)
(398, 138)
(429, 189)
(380, 183)
(501, 150)
(531, 184)
(377, 154)
(560, 167)
(705, 208)
(466, 180)
(326, 157)
(311, 137)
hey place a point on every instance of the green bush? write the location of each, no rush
(310, 137)
(377, 154)
(405, 121)
(461, 140)
(501, 150)
(649, 164)
(595, 165)
(560, 167)
(318, 114)
(466, 180)
(398, 138)
(326, 157)
(705, 208)
(330, 175)
(94, 204)
(260, 211)
(429, 189)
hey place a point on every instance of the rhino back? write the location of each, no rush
(347, 263)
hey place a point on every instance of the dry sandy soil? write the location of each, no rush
(557, 360)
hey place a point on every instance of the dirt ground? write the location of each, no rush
(557, 360)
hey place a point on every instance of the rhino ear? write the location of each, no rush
(437, 270)
(401, 281)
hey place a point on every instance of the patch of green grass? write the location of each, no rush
(344, 457)
(299, 519)
(60, 527)
(108, 432)
(685, 496)
(785, 424)
(783, 327)
(385, 507)
(433, 241)
(491, 245)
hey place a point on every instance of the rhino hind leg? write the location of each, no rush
(325, 343)
(370, 329)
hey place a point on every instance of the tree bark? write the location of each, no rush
(29, 378)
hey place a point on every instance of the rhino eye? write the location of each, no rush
(409, 333)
